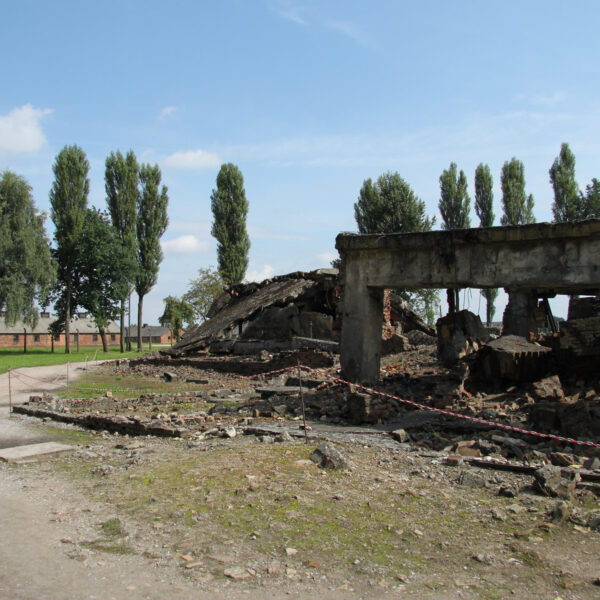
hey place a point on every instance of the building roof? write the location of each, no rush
(78, 325)
(152, 330)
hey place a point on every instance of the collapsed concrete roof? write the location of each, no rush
(298, 304)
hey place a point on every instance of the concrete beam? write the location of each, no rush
(557, 256)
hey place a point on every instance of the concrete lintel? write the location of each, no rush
(558, 256)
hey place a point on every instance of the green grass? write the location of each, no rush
(14, 358)
(94, 384)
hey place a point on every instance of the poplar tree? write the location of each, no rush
(68, 200)
(121, 181)
(518, 207)
(484, 199)
(26, 270)
(152, 221)
(230, 209)
(454, 207)
(567, 199)
(390, 206)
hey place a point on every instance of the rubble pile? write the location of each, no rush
(294, 311)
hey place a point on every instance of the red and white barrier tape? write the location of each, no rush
(366, 389)
(449, 413)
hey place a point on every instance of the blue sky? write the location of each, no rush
(307, 98)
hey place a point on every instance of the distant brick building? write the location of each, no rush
(83, 330)
(155, 334)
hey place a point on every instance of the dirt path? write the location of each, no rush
(41, 520)
(35, 563)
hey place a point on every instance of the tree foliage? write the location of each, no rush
(152, 221)
(230, 208)
(177, 312)
(567, 200)
(68, 199)
(454, 201)
(26, 270)
(484, 195)
(102, 268)
(389, 206)
(454, 207)
(203, 290)
(518, 207)
(590, 201)
(121, 181)
(484, 199)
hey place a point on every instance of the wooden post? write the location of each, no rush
(24, 340)
(9, 394)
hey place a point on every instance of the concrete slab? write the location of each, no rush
(33, 452)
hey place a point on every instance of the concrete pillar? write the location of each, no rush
(519, 315)
(361, 328)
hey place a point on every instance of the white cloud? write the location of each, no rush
(194, 159)
(21, 130)
(544, 99)
(167, 111)
(185, 243)
(326, 258)
(266, 272)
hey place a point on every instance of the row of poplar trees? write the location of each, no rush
(389, 205)
(102, 256)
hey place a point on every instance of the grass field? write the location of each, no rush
(14, 358)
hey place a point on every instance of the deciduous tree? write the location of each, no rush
(518, 207)
(177, 312)
(230, 208)
(203, 290)
(68, 199)
(590, 201)
(27, 271)
(484, 199)
(121, 181)
(102, 268)
(152, 221)
(389, 206)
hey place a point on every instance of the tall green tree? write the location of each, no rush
(27, 271)
(230, 209)
(455, 203)
(590, 201)
(68, 199)
(567, 200)
(518, 207)
(454, 207)
(203, 290)
(102, 268)
(177, 313)
(390, 206)
(121, 181)
(484, 200)
(152, 221)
